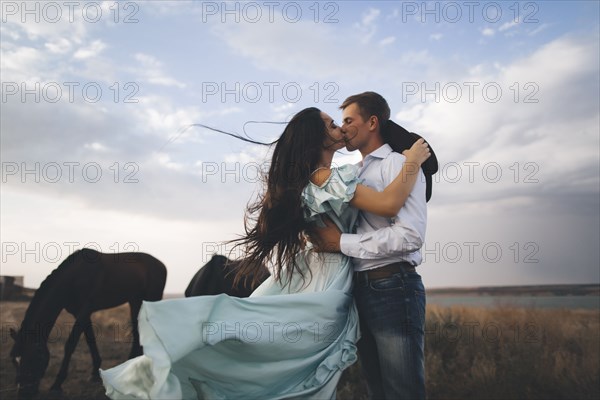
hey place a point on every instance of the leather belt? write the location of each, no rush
(385, 272)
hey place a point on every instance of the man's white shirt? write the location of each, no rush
(380, 241)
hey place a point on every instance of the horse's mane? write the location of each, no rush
(47, 285)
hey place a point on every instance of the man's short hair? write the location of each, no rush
(370, 103)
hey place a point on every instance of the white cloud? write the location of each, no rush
(165, 160)
(387, 41)
(367, 26)
(284, 107)
(370, 17)
(487, 32)
(59, 46)
(413, 113)
(96, 146)
(538, 29)
(21, 63)
(90, 51)
(310, 55)
(254, 154)
(157, 115)
(508, 25)
(314, 57)
(284, 111)
(394, 14)
(41, 25)
(546, 134)
(152, 71)
(436, 36)
(11, 33)
(48, 56)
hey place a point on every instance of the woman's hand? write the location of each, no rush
(325, 239)
(388, 202)
(418, 153)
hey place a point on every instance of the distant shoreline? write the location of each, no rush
(524, 290)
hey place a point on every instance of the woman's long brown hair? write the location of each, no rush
(275, 222)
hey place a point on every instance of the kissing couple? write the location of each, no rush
(342, 243)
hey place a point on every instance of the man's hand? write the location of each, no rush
(327, 239)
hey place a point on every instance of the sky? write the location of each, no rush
(97, 99)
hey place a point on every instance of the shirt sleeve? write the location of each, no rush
(406, 232)
(334, 196)
(384, 242)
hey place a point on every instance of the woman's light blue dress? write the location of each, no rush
(282, 342)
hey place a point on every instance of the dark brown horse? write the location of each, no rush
(87, 281)
(217, 277)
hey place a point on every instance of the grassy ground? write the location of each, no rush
(501, 353)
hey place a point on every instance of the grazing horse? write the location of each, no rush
(217, 277)
(85, 282)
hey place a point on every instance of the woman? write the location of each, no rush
(295, 335)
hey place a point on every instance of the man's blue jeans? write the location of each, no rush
(392, 322)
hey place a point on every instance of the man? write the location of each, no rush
(389, 293)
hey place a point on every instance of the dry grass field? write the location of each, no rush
(471, 353)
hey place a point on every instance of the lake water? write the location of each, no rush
(572, 302)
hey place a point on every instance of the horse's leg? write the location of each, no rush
(90, 338)
(136, 349)
(69, 349)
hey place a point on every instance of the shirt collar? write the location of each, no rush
(381, 152)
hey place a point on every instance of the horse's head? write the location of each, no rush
(30, 357)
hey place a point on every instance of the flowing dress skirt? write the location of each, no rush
(282, 342)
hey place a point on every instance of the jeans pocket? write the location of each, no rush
(394, 282)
